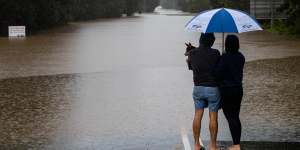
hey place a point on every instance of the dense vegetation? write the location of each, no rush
(43, 14)
(150, 5)
(200, 5)
(197, 5)
(292, 24)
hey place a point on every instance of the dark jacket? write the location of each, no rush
(203, 60)
(229, 71)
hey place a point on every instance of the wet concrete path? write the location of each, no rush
(123, 84)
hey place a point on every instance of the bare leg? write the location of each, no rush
(213, 128)
(197, 127)
(235, 147)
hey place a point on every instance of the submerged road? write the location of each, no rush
(117, 84)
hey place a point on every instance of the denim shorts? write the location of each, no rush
(207, 97)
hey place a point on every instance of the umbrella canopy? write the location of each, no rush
(223, 20)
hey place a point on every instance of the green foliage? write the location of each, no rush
(43, 14)
(234, 4)
(200, 5)
(150, 5)
(132, 6)
(297, 26)
(34, 14)
(292, 9)
(194, 5)
(278, 27)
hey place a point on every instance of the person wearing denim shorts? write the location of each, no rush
(207, 97)
(206, 93)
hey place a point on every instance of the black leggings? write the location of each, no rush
(232, 98)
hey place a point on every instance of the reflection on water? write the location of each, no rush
(124, 82)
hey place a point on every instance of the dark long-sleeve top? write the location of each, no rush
(229, 70)
(203, 61)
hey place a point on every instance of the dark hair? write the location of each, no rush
(207, 39)
(232, 43)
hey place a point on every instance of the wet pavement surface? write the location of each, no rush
(123, 84)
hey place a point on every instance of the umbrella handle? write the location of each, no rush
(223, 41)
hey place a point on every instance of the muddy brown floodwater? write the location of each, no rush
(123, 84)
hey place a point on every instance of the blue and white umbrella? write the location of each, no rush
(223, 20)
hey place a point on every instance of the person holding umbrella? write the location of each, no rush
(229, 75)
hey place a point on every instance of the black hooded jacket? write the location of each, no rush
(229, 71)
(203, 61)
